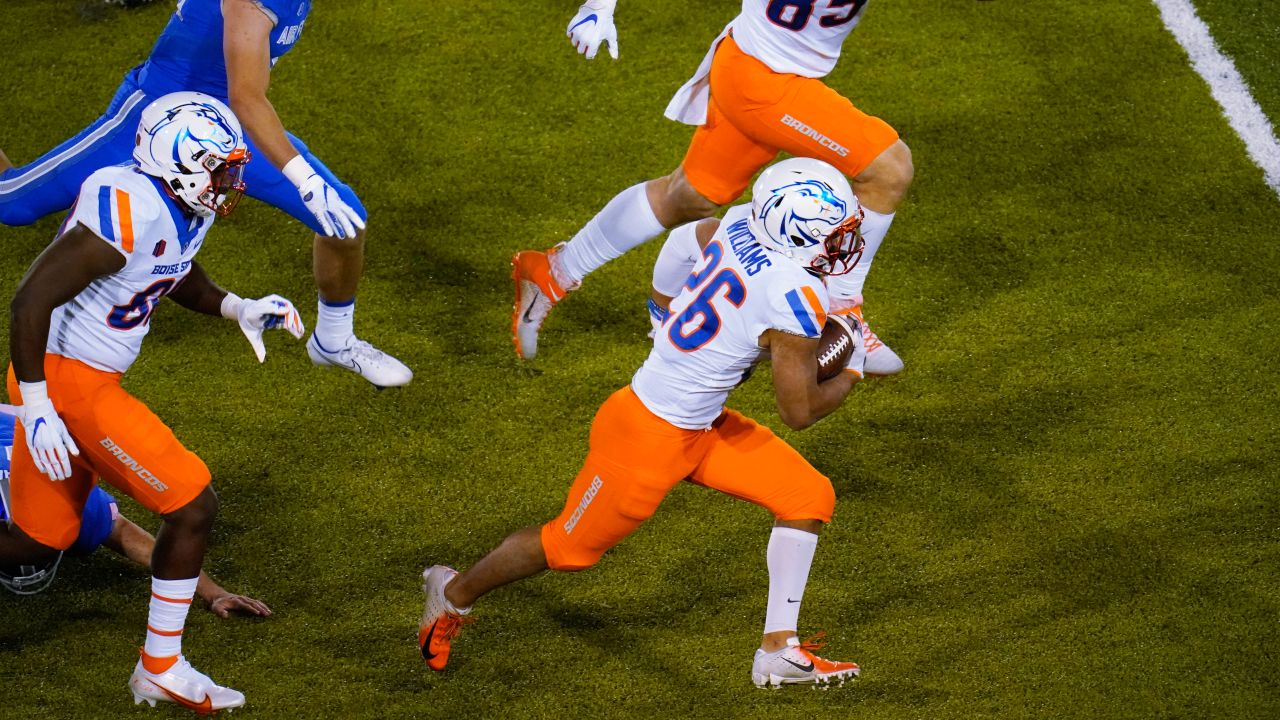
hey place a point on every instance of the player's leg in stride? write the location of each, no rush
(162, 673)
(634, 216)
(339, 263)
(449, 595)
(782, 659)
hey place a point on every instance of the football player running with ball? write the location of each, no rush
(756, 290)
(79, 318)
(755, 94)
(226, 49)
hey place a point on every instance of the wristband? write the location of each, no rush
(298, 170)
(231, 306)
(33, 393)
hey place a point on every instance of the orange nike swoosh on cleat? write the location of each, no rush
(204, 707)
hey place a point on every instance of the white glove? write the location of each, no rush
(592, 27)
(257, 316)
(47, 438)
(336, 217)
(858, 360)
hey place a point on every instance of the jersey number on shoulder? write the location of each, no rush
(795, 14)
(138, 310)
(700, 321)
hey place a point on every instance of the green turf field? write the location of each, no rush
(1065, 507)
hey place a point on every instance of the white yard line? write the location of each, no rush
(1227, 86)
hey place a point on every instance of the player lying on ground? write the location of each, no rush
(755, 94)
(756, 289)
(226, 49)
(101, 525)
(78, 321)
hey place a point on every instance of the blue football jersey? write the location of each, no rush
(98, 516)
(188, 55)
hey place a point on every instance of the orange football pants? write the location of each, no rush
(755, 113)
(636, 458)
(120, 440)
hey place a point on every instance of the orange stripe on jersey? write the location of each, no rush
(180, 601)
(126, 220)
(816, 305)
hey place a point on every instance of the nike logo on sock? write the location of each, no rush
(792, 601)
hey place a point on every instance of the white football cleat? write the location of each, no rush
(362, 359)
(880, 359)
(797, 665)
(184, 685)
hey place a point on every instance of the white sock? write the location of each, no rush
(624, 223)
(874, 227)
(170, 601)
(335, 324)
(790, 555)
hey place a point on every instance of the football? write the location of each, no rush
(834, 347)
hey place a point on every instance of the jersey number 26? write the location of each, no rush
(700, 321)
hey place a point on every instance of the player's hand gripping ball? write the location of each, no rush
(839, 346)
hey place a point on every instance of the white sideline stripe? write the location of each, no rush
(1226, 85)
(50, 164)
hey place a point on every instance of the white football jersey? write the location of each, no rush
(104, 325)
(800, 37)
(710, 339)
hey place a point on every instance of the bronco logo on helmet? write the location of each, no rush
(194, 144)
(805, 209)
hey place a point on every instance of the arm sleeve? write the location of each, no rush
(676, 259)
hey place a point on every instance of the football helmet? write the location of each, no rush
(193, 143)
(23, 579)
(804, 209)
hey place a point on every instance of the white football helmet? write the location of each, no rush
(805, 209)
(194, 144)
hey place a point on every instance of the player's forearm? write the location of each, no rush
(258, 118)
(207, 589)
(28, 335)
(131, 541)
(199, 293)
(830, 394)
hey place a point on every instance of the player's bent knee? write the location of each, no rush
(200, 511)
(565, 556)
(815, 499)
(14, 214)
(897, 170)
(573, 562)
(675, 201)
